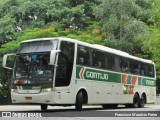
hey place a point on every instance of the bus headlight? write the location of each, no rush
(46, 90)
(14, 90)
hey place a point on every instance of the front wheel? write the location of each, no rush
(79, 101)
(44, 107)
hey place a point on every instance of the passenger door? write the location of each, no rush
(64, 72)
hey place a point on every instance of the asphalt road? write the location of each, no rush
(88, 112)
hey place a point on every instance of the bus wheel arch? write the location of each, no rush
(81, 98)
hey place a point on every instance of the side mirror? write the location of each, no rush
(53, 56)
(5, 58)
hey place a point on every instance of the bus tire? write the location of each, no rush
(79, 101)
(136, 102)
(142, 101)
(44, 107)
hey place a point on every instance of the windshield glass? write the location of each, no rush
(37, 46)
(33, 69)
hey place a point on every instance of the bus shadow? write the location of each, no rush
(84, 109)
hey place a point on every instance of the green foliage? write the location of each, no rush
(156, 12)
(85, 38)
(151, 46)
(119, 19)
(17, 15)
(26, 35)
(145, 14)
(90, 37)
(5, 76)
(6, 28)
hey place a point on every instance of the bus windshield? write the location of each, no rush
(37, 46)
(32, 69)
(32, 62)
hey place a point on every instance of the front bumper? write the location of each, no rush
(41, 98)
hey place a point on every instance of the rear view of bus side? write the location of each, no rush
(113, 77)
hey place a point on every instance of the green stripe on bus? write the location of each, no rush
(98, 75)
(129, 79)
(139, 80)
(148, 82)
(78, 72)
(106, 76)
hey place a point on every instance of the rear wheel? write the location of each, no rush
(142, 101)
(79, 101)
(136, 102)
(44, 107)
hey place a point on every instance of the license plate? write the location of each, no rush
(28, 98)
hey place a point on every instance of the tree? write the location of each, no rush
(6, 22)
(6, 29)
(151, 47)
(17, 15)
(151, 41)
(4, 81)
(145, 14)
(156, 12)
(119, 20)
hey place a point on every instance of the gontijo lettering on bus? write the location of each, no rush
(96, 75)
(90, 74)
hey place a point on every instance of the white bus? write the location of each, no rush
(64, 71)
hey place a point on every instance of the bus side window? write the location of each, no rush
(117, 63)
(83, 55)
(98, 59)
(124, 65)
(134, 67)
(150, 70)
(143, 69)
(111, 61)
(81, 61)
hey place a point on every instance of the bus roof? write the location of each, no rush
(96, 46)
